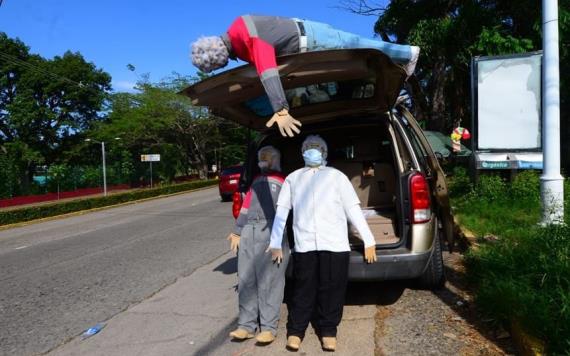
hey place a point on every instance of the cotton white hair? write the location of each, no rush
(315, 141)
(275, 157)
(209, 53)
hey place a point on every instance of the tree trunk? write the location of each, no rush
(438, 103)
(204, 170)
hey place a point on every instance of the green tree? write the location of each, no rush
(450, 33)
(45, 104)
(158, 120)
(57, 173)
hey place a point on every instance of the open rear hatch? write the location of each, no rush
(319, 86)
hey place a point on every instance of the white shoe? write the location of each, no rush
(411, 65)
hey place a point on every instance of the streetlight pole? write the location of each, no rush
(104, 163)
(104, 169)
(551, 182)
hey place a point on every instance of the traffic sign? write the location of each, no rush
(150, 158)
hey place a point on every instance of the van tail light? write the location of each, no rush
(237, 202)
(420, 198)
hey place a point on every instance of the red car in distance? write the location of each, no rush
(229, 179)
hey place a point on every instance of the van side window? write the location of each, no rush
(420, 151)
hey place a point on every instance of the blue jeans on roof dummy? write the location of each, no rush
(321, 36)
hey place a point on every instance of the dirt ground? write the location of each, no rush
(410, 321)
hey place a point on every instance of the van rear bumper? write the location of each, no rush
(391, 264)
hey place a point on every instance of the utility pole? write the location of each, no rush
(104, 169)
(551, 182)
(103, 161)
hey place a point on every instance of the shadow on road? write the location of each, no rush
(229, 266)
(216, 340)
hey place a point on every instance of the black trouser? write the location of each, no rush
(320, 279)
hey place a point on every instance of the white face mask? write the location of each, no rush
(263, 165)
(313, 157)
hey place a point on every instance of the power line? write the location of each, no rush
(17, 61)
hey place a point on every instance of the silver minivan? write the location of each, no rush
(349, 97)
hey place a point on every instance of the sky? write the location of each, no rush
(153, 36)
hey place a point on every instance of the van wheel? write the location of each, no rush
(226, 197)
(434, 275)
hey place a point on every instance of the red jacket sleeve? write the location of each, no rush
(249, 46)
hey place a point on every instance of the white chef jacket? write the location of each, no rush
(321, 199)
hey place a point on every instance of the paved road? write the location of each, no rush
(60, 277)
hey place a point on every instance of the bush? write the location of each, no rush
(527, 279)
(526, 186)
(43, 211)
(459, 184)
(491, 188)
(525, 275)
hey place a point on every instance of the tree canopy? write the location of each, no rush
(450, 33)
(44, 105)
(156, 119)
(49, 107)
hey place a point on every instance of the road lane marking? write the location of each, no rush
(19, 248)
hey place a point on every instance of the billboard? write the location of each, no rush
(506, 101)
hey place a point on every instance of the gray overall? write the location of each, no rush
(261, 282)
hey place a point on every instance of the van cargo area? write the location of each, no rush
(364, 153)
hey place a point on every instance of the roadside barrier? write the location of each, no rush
(44, 211)
(31, 199)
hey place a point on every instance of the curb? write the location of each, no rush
(526, 344)
(81, 212)
(466, 235)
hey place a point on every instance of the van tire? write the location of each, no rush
(225, 197)
(434, 275)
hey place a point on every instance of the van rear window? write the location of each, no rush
(317, 93)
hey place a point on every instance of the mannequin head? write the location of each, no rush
(269, 159)
(209, 53)
(315, 151)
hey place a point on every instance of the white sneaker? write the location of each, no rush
(411, 65)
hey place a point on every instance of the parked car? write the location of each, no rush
(229, 179)
(349, 98)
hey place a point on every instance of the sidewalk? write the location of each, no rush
(194, 315)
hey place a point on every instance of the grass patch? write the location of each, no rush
(48, 210)
(525, 274)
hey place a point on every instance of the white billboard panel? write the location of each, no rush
(509, 103)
